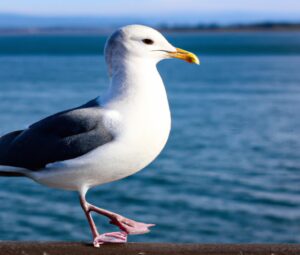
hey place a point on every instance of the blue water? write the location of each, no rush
(230, 171)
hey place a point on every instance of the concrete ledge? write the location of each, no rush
(66, 248)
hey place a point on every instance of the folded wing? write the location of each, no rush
(62, 136)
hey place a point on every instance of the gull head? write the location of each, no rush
(137, 43)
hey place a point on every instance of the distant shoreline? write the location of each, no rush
(212, 28)
(255, 27)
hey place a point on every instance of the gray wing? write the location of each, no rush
(62, 136)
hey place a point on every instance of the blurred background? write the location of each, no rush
(230, 171)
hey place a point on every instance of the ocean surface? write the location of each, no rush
(231, 169)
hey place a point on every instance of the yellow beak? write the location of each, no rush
(184, 55)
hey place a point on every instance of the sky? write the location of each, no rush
(183, 9)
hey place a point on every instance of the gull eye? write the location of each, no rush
(148, 41)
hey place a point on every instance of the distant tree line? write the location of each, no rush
(232, 27)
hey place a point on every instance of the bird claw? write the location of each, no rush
(113, 237)
(130, 226)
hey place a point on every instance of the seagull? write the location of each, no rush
(108, 138)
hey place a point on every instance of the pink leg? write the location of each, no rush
(114, 237)
(126, 225)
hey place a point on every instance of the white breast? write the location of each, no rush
(144, 128)
(147, 130)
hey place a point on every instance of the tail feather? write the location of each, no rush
(8, 171)
(5, 142)
(11, 174)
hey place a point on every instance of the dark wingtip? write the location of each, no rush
(10, 174)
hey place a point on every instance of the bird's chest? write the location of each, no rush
(147, 132)
(140, 132)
